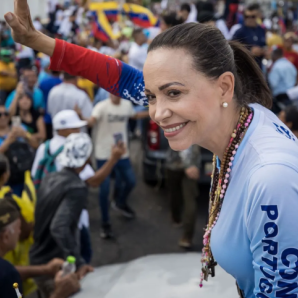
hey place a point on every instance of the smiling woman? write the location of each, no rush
(207, 91)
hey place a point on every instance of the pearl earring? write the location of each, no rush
(225, 104)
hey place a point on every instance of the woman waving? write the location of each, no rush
(203, 90)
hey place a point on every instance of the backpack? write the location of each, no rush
(46, 165)
(20, 156)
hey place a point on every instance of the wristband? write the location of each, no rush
(28, 136)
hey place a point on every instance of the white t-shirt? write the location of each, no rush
(55, 143)
(137, 56)
(51, 5)
(65, 96)
(111, 119)
(24, 52)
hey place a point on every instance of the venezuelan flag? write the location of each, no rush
(99, 30)
(111, 9)
(101, 27)
(140, 16)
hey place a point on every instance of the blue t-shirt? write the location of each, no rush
(46, 86)
(8, 276)
(43, 76)
(282, 76)
(251, 36)
(255, 238)
(38, 101)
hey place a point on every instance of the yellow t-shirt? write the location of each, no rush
(20, 255)
(274, 40)
(88, 86)
(7, 83)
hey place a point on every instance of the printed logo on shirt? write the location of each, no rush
(276, 282)
(116, 118)
(284, 131)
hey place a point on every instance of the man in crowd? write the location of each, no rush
(138, 51)
(282, 76)
(65, 123)
(8, 74)
(6, 40)
(251, 34)
(10, 224)
(288, 50)
(182, 175)
(110, 118)
(185, 10)
(62, 196)
(29, 79)
(67, 95)
(46, 86)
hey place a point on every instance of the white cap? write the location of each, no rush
(77, 150)
(67, 119)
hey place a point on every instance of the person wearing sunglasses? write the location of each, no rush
(252, 35)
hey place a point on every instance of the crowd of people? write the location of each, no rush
(60, 134)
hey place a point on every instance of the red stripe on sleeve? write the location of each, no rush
(98, 68)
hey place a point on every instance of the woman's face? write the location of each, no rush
(4, 117)
(182, 101)
(25, 103)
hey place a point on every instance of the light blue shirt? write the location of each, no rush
(255, 238)
(282, 76)
(38, 101)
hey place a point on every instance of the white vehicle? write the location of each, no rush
(157, 276)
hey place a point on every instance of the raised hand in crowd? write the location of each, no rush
(118, 150)
(24, 32)
(20, 88)
(16, 132)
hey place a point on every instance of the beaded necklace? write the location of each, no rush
(219, 185)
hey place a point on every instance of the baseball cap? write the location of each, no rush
(76, 151)
(67, 119)
(8, 212)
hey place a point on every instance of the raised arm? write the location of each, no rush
(109, 73)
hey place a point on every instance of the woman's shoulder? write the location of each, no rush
(272, 141)
(35, 115)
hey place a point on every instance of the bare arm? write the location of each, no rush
(109, 73)
(141, 115)
(5, 145)
(49, 269)
(14, 104)
(99, 176)
(102, 173)
(31, 271)
(41, 130)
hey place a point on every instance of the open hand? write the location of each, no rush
(21, 24)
